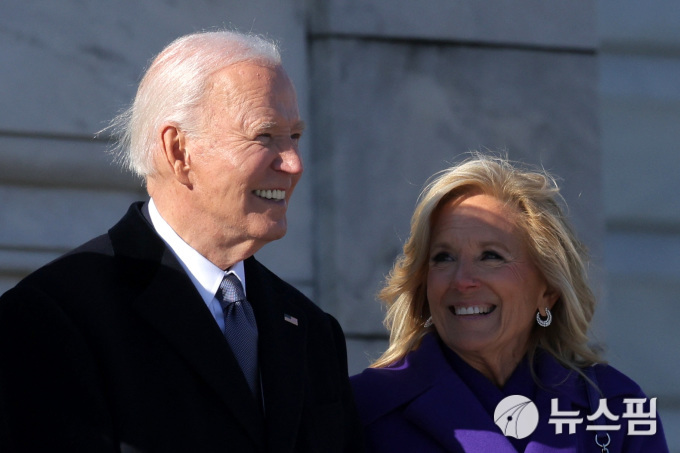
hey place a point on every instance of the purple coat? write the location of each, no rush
(420, 404)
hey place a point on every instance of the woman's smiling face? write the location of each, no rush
(483, 289)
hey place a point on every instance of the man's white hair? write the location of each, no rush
(173, 88)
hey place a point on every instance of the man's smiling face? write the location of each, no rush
(245, 161)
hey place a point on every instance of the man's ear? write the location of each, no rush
(175, 153)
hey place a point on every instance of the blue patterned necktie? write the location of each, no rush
(240, 328)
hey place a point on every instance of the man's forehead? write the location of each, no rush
(249, 72)
(257, 85)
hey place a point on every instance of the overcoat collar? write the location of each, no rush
(168, 301)
(435, 399)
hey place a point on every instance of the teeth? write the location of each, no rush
(472, 310)
(271, 194)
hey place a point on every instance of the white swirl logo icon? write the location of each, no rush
(516, 416)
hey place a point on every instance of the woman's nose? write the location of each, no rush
(464, 277)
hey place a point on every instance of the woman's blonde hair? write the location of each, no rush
(556, 251)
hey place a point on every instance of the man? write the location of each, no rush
(126, 343)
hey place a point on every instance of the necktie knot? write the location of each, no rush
(230, 290)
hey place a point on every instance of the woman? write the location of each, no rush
(489, 300)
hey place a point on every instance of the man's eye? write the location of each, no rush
(296, 136)
(264, 138)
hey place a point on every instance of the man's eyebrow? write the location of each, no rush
(269, 125)
(300, 126)
(266, 125)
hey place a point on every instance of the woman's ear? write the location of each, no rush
(175, 153)
(549, 298)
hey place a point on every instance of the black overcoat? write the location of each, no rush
(110, 348)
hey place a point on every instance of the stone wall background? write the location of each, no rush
(639, 65)
(392, 92)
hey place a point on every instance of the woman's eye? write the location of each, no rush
(491, 255)
(441, 257)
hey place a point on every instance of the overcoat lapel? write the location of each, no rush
(282, 328)
(474, 429)
(447, 410)
(561, 384)
(437, 401)
(544, 439)
(168, 301)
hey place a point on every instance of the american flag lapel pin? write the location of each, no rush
(291, 319)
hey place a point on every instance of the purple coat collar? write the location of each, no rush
(425, 391)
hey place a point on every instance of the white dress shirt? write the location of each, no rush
(205, 276)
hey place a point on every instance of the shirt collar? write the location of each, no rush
(203, 273)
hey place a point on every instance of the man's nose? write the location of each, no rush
(290, 159)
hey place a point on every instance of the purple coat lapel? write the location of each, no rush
(421, 404)
(450, 413)
(424, 391)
